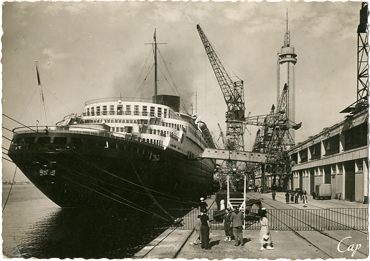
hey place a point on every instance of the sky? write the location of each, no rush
(89, 50)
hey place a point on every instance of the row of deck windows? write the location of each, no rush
(119, 110)
(116, 121)
(165, 124)
(77, 141)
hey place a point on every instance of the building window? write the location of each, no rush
(340, 168)
(359, 165)
(119, 109)
(331, 145)
(303, 155)
(159, 112)
(97, 110)
(333, 169)
(128, 109)
(152, 111)
(145, 111)
(136, 110)
(104, 109)
(165, 113)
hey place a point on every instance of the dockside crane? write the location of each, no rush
(274, 139)
(233, 92)
(362, 102)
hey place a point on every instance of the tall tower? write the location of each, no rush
(285, 74)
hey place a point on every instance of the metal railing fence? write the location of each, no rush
(295, 219)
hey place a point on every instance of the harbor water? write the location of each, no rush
(35, 227)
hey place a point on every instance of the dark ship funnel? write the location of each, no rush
(169, 100)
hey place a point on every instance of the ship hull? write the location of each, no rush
(121, 173)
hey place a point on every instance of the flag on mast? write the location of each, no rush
(38, 75)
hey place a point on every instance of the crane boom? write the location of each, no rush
(233, 92)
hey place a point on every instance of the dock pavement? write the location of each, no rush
(175, 243)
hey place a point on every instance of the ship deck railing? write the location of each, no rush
(44, 130)
(118, 99)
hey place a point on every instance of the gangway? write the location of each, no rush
(234, 155)
(241, 203)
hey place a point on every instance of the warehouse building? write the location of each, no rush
(338, 155)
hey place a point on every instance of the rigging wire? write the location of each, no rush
(6, 138)
(110, 197)
(7, 129)
(7, 198)
(183, 105)
(144, 81)
(142, 69)
(133, 205)
(173, 82)
(23, 125)
(7, 159)
(28, 103)
(113, 175)
(122, 188)
(58, 100)
(151, 196)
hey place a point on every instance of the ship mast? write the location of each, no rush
(155, 66)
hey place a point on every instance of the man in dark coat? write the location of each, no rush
(204, 230)
(237, 224)
(287, 197)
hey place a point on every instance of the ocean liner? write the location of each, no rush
(119, 152)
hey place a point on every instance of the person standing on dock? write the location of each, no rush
(227, 225)
(304, 198)
(265, 236)
(237, 224)
(273, 194)
(197, 227)
(203, 205)
(287, 197)
(204, 230)
(296, 197)
(222, 204)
